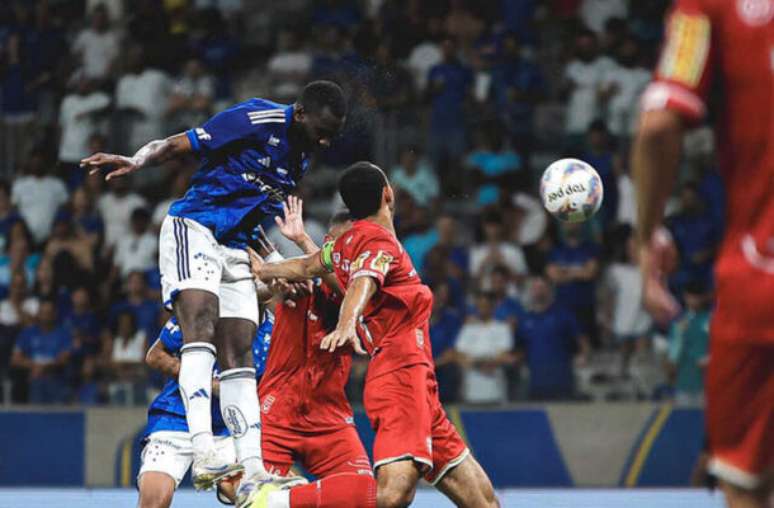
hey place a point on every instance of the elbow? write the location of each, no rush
(660, 126)
(152, 357)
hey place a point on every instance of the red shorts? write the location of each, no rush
(410, 422)
(323, 454)
(740, 411)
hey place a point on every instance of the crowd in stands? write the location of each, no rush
(462, 102)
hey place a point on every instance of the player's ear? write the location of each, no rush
(388, 196)
(299, 112)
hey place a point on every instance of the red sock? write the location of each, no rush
(345, 490)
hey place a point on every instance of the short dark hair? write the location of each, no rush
(322, 94)
(361, 188)
(140, 213)
(340, 217)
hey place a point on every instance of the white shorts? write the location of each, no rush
(191, 258)
(171, 453)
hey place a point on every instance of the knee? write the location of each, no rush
(155, 499)
(394, 496)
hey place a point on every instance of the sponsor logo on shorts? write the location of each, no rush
(420, 338)
(200, 393)
(268, 401)
(235, 421)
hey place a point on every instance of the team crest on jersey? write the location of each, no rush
(755, 12)
(687, 49)
(336, 258)
(381, 263)
(273, 141)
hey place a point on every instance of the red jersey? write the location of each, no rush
(303, 386)
(728, 45)
(394, 325)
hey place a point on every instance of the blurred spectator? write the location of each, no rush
(218, 49)
(448, 85)
(87, 220)
(338, 13)
(83, 321)
(18, 101)
(42, 351)
(451, 240)
(180, 179)
(392, 86)
(190, 101)
(627, 317)
(622, 87)
(462, 24)
(19, 308)
(595, 13)
(583, 76)
(289, 66)
(137, 301)
(495, 251)
(696, 236)
(415, 176)
(689, 345)
(18, 257)
(573, 266)
(427, 54)
(142, 95)
(137, 250)
(8, 215)
(627, 198)
(549, 337)
(493, 165)
(532, 219)
(70, 252)
(507, 307)
(445, 325)
(484, 347)
(600, 154)
(78, 121)
(98, 46)
(125, 350)
(116, 207)
(517, 87)
(421, 239)
(38, 196)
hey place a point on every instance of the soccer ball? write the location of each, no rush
(571, 190)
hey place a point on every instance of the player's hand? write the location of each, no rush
(119, 164)
(291, 224)
(657, 259)
(340, 337)
(263, 243)
(256, 264)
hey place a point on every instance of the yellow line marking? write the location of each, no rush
(456, 419)
(647, 445)
(126, 462)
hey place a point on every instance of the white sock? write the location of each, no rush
(197, 360)
(279, 499)
(239, 406)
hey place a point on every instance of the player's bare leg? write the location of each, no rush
(736, 497)
(156, 490)
(468, 486)
(397, 484)
(197, 314)
(239, 399)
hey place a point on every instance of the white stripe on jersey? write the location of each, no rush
(268, 112)
(268, 120)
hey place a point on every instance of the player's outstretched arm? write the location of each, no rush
(152, 154)
(291, 225)
(293, 270)
(356, 298)
(655, 162)
(158, 358)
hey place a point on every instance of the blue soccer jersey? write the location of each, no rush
(247, 170)
(167, 411)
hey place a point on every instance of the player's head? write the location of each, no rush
(319, 114)
(365, 190)
(340, 222)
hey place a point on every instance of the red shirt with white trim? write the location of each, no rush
(727, 46)
(394, 327)
(302, 388)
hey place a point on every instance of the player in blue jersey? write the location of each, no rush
(252, 156)
(167, 453)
